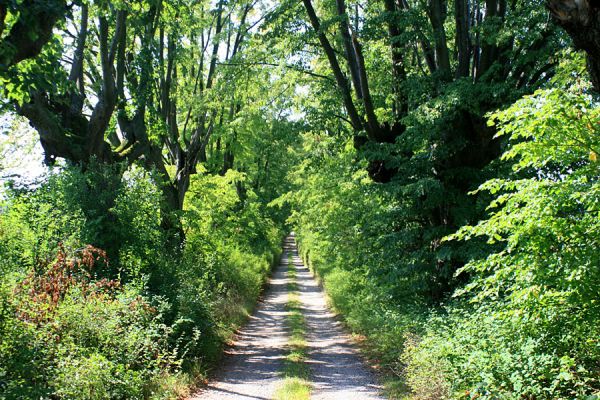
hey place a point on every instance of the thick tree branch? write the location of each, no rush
(372, 123)
(31, 31)
(107, 100)
(3, 13)
(581, 20)
(76, 73)
(398, 70)
(349, 48)
(341, 80)
(216, 43)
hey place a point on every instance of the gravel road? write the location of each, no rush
(251, 367)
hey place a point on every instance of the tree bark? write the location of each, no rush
(461, 10)
(581, 20)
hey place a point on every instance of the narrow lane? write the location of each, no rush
(252, 367)
(338, 371)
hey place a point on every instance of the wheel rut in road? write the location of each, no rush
(252, 366)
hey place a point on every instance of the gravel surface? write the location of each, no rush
(338, 372)
(251, 368)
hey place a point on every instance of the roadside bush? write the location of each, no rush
(34, 221)
(523, 321)
(230, 249)
(526, 326)
(66, 210)
(69, 334)
(140, 317)
(345, 226)
(426, 375)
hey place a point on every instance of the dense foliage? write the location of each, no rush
(533, 298)
(522, 321)
(439, 161)
(77, 323)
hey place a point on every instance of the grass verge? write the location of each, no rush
(296, 374)
(378, 331)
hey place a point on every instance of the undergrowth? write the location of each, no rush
(141, 320)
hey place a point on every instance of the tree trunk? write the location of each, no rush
(490, 52)
(398, 71)
(581, 20)
(437, 16)
(461, 9)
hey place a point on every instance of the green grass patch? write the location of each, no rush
(296, 384)
(293, 389)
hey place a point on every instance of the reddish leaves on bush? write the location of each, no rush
(44, 289)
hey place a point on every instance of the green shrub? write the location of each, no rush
(95, 377)
(68, 334)
(21, 373)
(526, 325)
(426, 374)
(143, 318)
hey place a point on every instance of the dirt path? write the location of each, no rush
(338, 371)
(251, 369)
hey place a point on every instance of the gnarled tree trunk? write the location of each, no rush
(581, 20)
